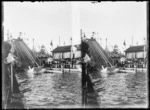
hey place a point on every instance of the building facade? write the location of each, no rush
(137, 54)
(64, 52)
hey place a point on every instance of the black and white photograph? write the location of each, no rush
(71, 54)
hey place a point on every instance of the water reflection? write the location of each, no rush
(53, 90)
(124, 90)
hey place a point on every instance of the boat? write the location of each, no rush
(52, 71)
(35, 71)
(39, 70)
(112, 70)
(104, 72)
(30, 72)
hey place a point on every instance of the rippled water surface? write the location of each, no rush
(120, 90)
(53, 90)
(124, 90)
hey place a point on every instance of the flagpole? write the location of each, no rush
(144, 52)
(106, 44)
(81, 34)
(33, 44)
(132, 40)
(59, 40)
(71, 51)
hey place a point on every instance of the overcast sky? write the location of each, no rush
(46, 21)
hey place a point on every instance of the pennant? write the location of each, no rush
(124, 43)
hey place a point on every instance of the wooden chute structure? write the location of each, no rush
(24, 54)
(98, 54)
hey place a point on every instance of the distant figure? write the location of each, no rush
(62, 68)
(50, 64)
(43, 64)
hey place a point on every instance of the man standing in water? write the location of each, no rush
(9, 97)
(89, 98)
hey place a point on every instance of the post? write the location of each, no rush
(135, 67)
(142, 68)
(69, 68)
(71, 62)
(144, 52)
(62, 67)
(71, 52)
(84, 96)
(12, 77)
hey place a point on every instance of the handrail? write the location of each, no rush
(95, 55)
(30, 55)
(30, 50)
(104, 56)
(21, 53)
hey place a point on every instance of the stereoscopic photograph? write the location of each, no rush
(74, 55)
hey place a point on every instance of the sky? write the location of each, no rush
(59, 21)
(116, 21)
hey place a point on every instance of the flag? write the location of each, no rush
(93, 33)
(144, 41)
(84, 35)
(71, 40)
(124, 43)
(20, 33)
(51, 43)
